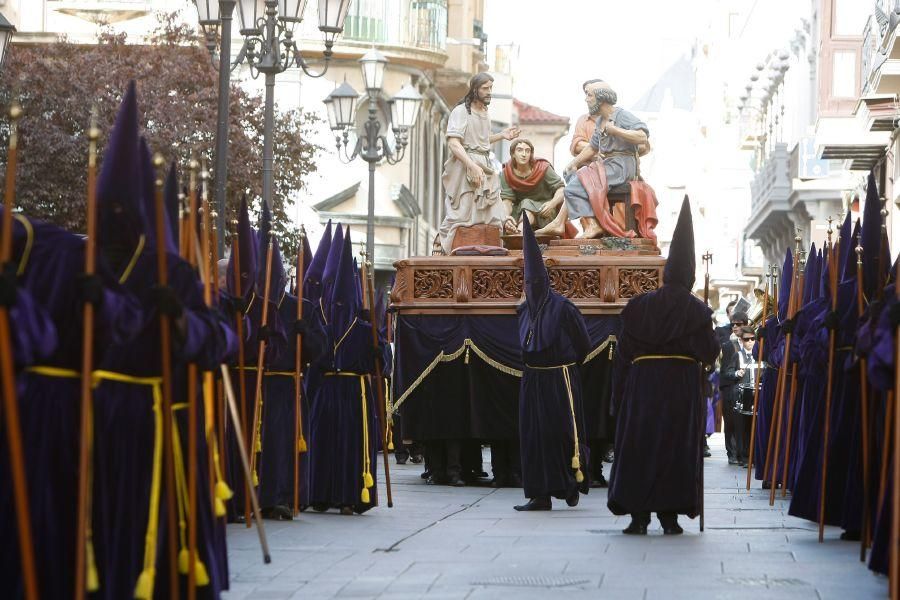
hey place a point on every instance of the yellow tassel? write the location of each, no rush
(369, 481)
(223, 492)
(301, 445)
(183, 561)
(466, 359)
(93, 579)
(579, 476)
(144, 588)
(220, 508)
(390, 445)
(258, 444)
(365, 496)
(255, 479)
(576, 464)
(202, 577)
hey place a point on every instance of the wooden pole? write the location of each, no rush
(863, 411)
(379, 388)
(794, 382)
(759, 372)
(260, 360)
(894, 547)
(165, 345)
(242, 362)
(10, 400)
(829, 387)
(298, 377)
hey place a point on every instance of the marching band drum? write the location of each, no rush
(746, 388)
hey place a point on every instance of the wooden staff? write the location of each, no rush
(242, 361)
(829, 387)
(783, 375)
(885, 447)
(260, 359)
(379, 389)
(298, 377)
(759, 371)
(217, 427)
(863, 409)
(793, 395)
(7, 374)
(165, 345)
(701, 469)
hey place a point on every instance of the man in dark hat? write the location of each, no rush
(728, 382)
(554, 342)
(666, 340)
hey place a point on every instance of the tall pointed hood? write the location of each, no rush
(537, 280)
(278, 282)
(784, 285)
(119, 215)
(845, 245)
(307, 261)
(312, 278)
(809, 275)
(148, 193)
(681, 265)
(870, 239)
(170, 195)
(346, 300)
(246, 239)
(332, 262)
(824, 276)
(848, 268)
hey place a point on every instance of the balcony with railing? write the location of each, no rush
(409, 30)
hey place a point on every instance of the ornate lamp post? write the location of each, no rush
(269, 48)
(371, 145)
(7, 30)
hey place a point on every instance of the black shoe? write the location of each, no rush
(635, 528)
(850, 536)
(673, 529)
(600, 483)
(416, 459)
(346, 510)
(535, 504)
(766, 485)
(572, 498)
(401, 460)
(669, 522)
(425, 474)
(455, 481)
(706, 452)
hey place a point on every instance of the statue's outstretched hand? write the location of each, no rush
(511, 133)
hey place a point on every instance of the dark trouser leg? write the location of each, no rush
(401, 450)
(453, 458)
(728, 418)
(742, 430)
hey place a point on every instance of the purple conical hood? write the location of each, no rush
(246, 240)
(824, 275)
(312, 278)
(809, 275)
(119, 214)
(681, 265)
(148, 193)
(346, 299)
(307, 260)
(845, 245)
(848, 268)
(332, 262)
(784, 289)
(870, 240)
(278, 282)
(537, 280)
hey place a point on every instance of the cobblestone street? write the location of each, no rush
(440, 542)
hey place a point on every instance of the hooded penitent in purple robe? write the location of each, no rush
(129, 516)
(343, 429)
(666, 337)
(554, 342)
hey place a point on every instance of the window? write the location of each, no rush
(850, 17)
(843, 83)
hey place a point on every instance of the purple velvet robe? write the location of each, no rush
(660, 408)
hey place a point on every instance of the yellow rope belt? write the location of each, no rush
(565, 366)
(664, 357)
(576, 458)
(368, 480)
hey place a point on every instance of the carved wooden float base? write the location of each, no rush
(600, 283)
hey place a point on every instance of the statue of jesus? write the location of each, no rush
(471, 183)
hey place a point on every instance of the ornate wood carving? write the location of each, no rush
(576, 283)
(633, 282)
(398, 290)
(462, 288)
(433, 283)
(608, 285)
(497, 283)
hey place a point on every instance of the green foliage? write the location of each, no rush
(57, 84)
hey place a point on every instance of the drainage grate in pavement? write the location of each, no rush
(538, 582)
(764, 581)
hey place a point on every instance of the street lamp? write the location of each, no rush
(6, 33)
(269, 48)
(370, 145)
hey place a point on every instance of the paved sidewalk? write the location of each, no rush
(456, 543)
